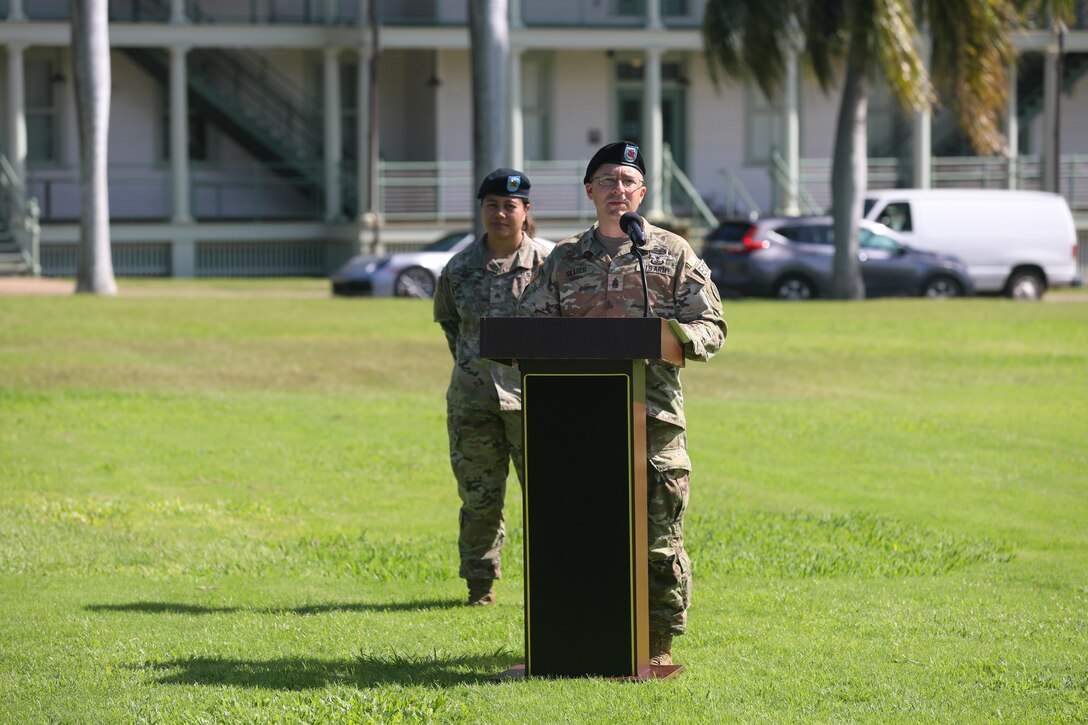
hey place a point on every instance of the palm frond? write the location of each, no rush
(749, 40)
(826, 39)
(1046, 12)
(897, 55)
(972, 50)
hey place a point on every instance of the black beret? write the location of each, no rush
(505, 182)
(621, 152)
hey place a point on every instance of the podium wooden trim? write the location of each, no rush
(584, 415)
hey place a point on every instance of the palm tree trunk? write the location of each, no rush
(489, 28)
(849, 177)
(91, 72)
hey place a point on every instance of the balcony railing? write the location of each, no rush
(555, 13)
(978, 172)
(429, 192)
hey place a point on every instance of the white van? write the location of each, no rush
(1017, 243)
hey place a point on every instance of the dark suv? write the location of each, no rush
(791, 258)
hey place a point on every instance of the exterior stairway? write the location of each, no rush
(250, 101)
(18, 226)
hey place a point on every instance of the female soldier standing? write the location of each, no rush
(484, 398)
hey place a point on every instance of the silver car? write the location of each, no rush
(401, 274)
(791, 258)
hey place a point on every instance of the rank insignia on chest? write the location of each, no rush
(615, 283)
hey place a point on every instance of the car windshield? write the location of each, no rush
(871, 240)
(446, 243)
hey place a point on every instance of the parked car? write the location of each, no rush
(401, 274)
(791, 258)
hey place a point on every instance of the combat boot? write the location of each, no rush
(480, 593)
(660, 649)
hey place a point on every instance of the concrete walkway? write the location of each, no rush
(36, 286)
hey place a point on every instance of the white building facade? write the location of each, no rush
(237, 131)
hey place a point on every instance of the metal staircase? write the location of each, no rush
(19, 230)
(250, 101)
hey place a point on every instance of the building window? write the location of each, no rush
(633, 70)
(41, 110)
(349, 111)
(637, 8)
(535, 106)
(765, 123)
(630, 91)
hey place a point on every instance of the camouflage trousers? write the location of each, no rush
(668, 491)
(482, 445)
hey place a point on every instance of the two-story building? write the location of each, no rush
(239, 127)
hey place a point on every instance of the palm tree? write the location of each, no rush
(489, 30)
(91, 72)
(847, 42)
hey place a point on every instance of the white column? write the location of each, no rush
(922, 149)
(179, 133)
(1012, 129)
(652, 132)
(791, 129)
(177, 12)
(1050, 119)
(516, 141)
(653, 15)
(362, 134)
(334, 137)
(17, 148)
(15, 10)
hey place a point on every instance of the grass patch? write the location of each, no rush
(767, 544)
(224, 501)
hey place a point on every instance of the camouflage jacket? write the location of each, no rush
(580, 279)
(473, 286)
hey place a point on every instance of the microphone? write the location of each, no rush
(631, 225)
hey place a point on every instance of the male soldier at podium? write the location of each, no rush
(596, 274)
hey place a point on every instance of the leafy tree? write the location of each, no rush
(91, 71)
(848, 42)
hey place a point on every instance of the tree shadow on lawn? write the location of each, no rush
(302, 673)
(180, 608)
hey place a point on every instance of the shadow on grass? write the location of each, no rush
(179, 608)
(302, 673)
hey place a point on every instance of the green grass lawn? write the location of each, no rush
(231, 502)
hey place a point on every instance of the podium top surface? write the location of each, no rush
(579, 338)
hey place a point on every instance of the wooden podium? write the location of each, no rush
(584, 413)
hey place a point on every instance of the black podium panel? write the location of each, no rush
(579, 528)
(584, 411)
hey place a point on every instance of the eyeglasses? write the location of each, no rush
(611, 182)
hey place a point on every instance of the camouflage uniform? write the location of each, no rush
(580, 279)
(483, 401)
